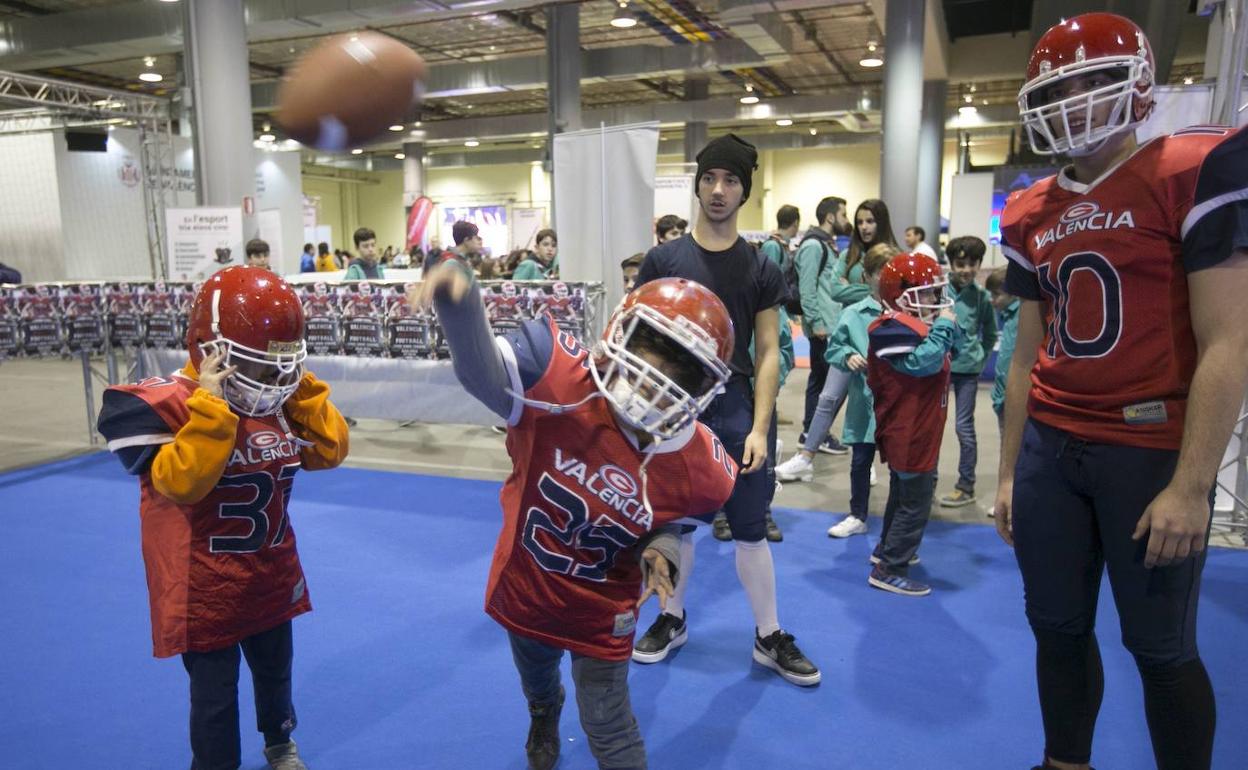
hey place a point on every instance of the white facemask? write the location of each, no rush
(632, 408)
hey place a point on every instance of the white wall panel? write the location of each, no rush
(30, 211)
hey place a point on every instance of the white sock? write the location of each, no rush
(676, 603)
(758, 576)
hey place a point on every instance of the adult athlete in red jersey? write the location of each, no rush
(607, 450)
(908, 373)
(1128, 373)
(216, 447)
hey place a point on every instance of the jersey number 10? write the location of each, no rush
(1057, 286)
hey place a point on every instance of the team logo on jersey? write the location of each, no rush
(1081, 210)
(262, 447)
(1084, 215)
(611, 484)
(619, 480)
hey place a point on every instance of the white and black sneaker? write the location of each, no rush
(665, 634)
(780, 653)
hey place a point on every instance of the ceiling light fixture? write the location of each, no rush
(357, 151)
(784, 122)
(266, 137)
(967, 110)
(1187, 81)
(750, 97)
(623, 18)
(399, 156)
(472, 143)
(151, 77)
(813, 132)
(871, 58)
(397, 127)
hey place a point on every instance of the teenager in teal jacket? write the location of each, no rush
(1007, 307)
(847, 351)
(978, 322)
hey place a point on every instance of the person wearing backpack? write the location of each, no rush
(815, 266)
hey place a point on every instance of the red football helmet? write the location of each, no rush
(1062, 121)
(690, 316)
(914, 284)
(508, 289)
(256, 318)
(560, 290)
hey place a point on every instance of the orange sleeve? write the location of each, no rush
(316, 420)
(187, 469)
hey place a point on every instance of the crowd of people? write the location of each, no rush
(1120, 373)
(540, 263)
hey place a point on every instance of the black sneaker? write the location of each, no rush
(665, 634)
(831, 446)
(774, 534)
(720, 528)
(542, 748)
(779, 653)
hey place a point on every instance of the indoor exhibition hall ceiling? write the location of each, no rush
(776, 50)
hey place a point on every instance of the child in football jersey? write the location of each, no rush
(848, 347)
(1006, 305)
(973, 308)
(216, 447)
(909, 349)
(607, 450)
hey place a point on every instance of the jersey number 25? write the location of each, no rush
(570, 527)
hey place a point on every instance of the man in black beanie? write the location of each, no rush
(743, 417)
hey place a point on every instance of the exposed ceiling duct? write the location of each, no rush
(145, 28)
(837, 107)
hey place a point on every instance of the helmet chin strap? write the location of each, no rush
(649, 451)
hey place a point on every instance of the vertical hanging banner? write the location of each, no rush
(604, 201)
(203, 240)
(418, 221)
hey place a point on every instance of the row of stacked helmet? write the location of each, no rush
(358, 318)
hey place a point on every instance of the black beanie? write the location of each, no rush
(731, 153)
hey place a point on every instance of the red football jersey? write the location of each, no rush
(909, 410)
(1109, 260)
(564, 571)
(224, 568)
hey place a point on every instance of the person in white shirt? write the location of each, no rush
(915, 243)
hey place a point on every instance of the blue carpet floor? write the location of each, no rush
(398, 667)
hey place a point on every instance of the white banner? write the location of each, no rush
(604, 199)
(674, 195)
(201, 241)
(525, 223)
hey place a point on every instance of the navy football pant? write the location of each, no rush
(214, 696)
(731, 417)
(1075, 506)
(601, 698)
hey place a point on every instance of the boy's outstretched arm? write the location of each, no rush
(453, 294)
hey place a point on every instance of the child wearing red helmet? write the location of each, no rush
(608, 455)
(908, 373)
(216, 447)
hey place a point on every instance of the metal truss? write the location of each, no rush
(1236, 519)
(56, 104)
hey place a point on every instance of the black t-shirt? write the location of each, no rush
(746, 281)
